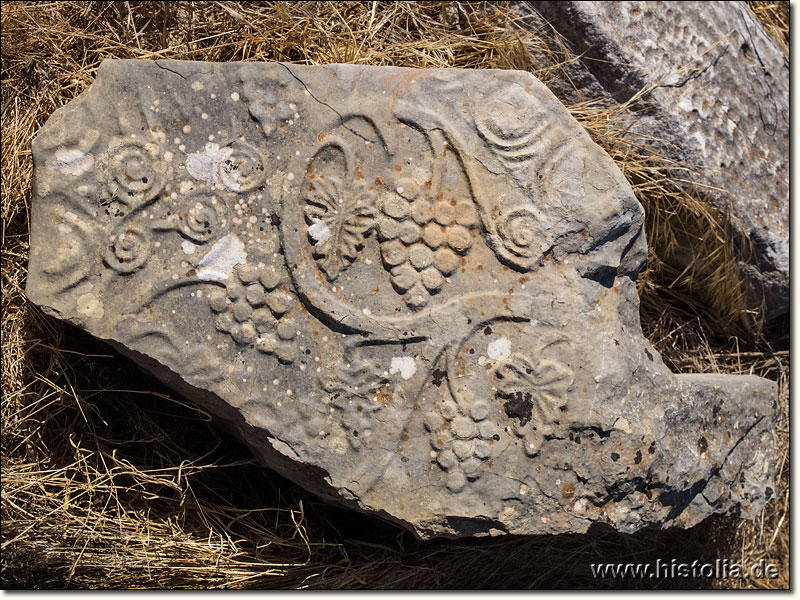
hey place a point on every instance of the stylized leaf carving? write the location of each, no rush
(351, 391)
(546, 382)
(535, 391)
(338, 223)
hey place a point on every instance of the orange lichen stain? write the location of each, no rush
(479, 267)
(384, 395)
(358, 174)
(404, 437)
(528, 89)
(490, 463)
(567, 491)
(417, 406)
(321, 137)
(398, 168)
(379, 181)
(427, 185)
(726, 436)
(585, 390)
(439, 442)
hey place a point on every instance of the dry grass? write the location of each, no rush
(774, 18)
(109, 480)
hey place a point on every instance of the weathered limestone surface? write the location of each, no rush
(411, 291)
(720, 102)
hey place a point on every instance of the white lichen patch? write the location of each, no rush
(90, 306)
(209, 164)
(405, 365)
(71, 162)
(218, 263)
(203, 165)
(188, 247)
(319, 231)
(499, 349)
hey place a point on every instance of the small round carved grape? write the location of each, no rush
(421, 240)
(253, 309)
(461, 441)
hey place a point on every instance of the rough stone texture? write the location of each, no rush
(410, 291)
(721, 102)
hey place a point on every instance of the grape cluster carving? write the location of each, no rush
(422, 239)
(253, 309)
(461, 437)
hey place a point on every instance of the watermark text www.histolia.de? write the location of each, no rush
(722, 568)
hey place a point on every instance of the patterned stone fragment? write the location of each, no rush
(411, 291)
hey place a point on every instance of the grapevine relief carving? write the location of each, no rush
(318, 249)
(424, 228)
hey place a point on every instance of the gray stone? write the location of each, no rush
(720, 102)
(411, 291)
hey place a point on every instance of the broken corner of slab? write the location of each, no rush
(410, 291)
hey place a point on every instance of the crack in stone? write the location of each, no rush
(160, 66)
(338, 114)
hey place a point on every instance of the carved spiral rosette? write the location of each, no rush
(242, 169)
(517, 230)
(132, 171)
(205, 218)
(129, 249)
